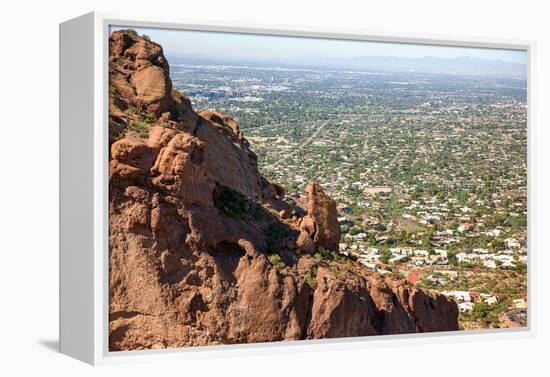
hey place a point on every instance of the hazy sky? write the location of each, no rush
(234, 45)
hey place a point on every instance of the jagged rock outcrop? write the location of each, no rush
(204, 250)
(320, 226)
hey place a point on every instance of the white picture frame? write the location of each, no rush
(84, 188)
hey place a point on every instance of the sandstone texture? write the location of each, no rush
(204, 250)
(321, 221)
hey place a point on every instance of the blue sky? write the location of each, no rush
(235, 45)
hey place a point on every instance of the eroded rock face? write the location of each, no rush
(321, 221)
(192, 224)
(139, 78)
(153, 88)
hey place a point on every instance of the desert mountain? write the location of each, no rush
(204, 250)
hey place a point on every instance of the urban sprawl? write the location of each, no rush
(429, 171)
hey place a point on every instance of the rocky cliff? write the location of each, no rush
(204, 250)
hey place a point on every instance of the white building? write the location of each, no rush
(488, 299)
(512, 243)
(465, 307)
(458, 296)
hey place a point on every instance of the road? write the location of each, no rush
(304, 144)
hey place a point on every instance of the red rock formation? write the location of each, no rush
(321, 222)
(193, 225)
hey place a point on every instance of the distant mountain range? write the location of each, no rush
(461, 65)
(428, 64)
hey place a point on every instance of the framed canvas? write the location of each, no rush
(244, 189)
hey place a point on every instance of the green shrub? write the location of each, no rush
(385, 256)
(135, 109)
(451, 257)
(276, 261)
(311, 278)
(521, 268)
(148, 118)
(341, 275)
(230, 202)
(354, 231)
(274, 234)
(318, 258)
(330, 254)
(140, 128)
(113, 91)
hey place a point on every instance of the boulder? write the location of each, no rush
(304, 243)
(153, 88)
